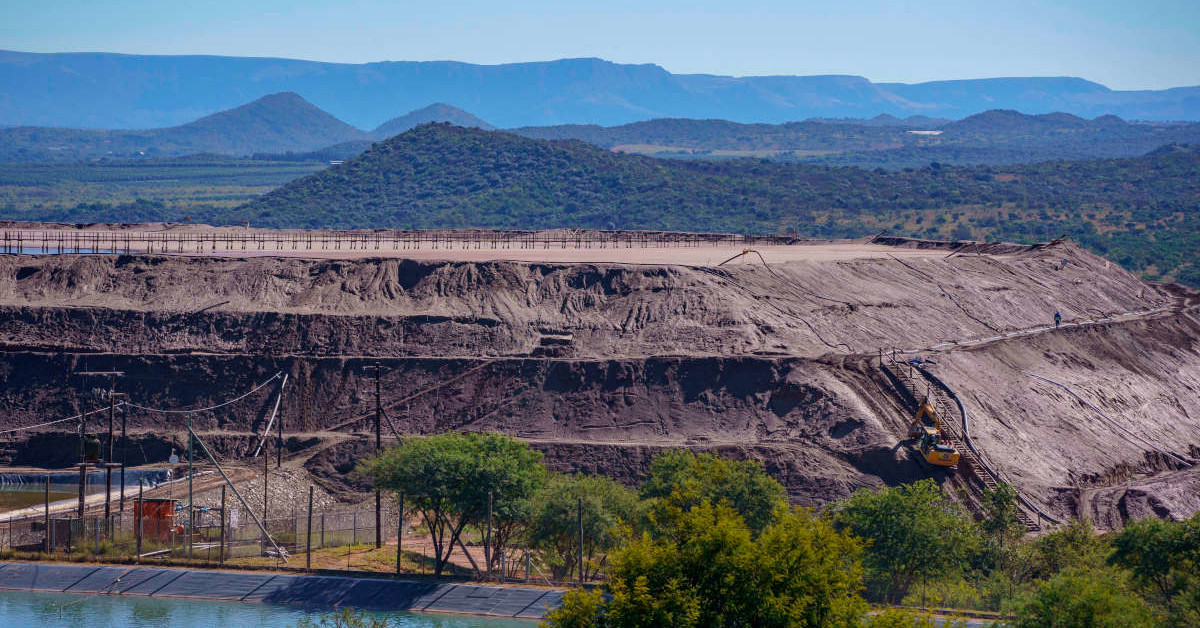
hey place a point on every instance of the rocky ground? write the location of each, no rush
(601, 365)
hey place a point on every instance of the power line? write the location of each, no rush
(148, 409)
(70, 418)
(219, 405)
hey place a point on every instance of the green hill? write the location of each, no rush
(992, 137)
(1139, 211)
(277, 123)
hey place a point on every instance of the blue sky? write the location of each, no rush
(1130, 44)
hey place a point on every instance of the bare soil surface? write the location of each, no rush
(602, 357)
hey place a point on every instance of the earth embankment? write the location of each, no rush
(603, 364)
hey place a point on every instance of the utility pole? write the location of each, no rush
(191, 517)
(112, 413)
(378, 445)
(124, 450)
(111, 393)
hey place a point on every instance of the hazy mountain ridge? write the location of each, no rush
(285, 126)
(103, 90)
(991, 137)
(437, 112)
(275, 123)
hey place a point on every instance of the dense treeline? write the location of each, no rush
(1139, 212)
(707, 541)
(991, 137)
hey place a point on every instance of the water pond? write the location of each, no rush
(63, 610)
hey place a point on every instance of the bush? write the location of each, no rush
(1076, 598)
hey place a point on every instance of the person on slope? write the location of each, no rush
(1057, 318)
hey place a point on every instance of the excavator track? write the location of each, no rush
(905, 376)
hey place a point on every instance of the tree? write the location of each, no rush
(710, 570)
(1073, 546)
(447, 478)
(911, 531)
(554, 530)
(681, 479)
(1164, 558)
(1075, 598)
(1005, 557)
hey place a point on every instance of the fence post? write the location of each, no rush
(308, 532)
(400, 535)
(141, 516)
(222, 558)
(47, 540)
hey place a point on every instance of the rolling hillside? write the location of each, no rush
(991, 137)
(1138, 211)
(276, 123)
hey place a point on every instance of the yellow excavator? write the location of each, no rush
(934, 448)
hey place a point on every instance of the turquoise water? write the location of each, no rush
(61, 610)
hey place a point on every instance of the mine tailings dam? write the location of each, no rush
(790, 355)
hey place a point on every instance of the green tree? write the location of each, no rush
(911, 531)
(1164, 558)
(709, 570)
(1004, 563)
(447, 479)
(1075, 598)
(554, 531)
(1073, 546)
(681, 479)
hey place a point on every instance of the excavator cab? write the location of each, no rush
(936, 452)
(934, 449)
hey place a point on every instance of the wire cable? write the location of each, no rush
(70, 418)
(219, 405)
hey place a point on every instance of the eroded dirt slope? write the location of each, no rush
(602, 365)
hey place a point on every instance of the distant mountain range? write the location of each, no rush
(103, 90)
(281, 123)
(285, 126)
(275, 123)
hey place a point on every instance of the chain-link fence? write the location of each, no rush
(162, 529)
(165, 531)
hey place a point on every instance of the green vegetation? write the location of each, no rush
(344, 618)
(712, 542)
(134, 191)
(554, 531)
(448, 478)
(1139, 212)
(928, 536)
(681, 479)
(992, 137)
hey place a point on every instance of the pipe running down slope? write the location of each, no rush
(936, 381)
